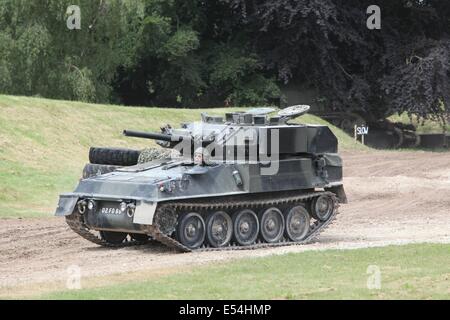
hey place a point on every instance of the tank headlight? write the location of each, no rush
(91, 205)
(123, 207)
(81, 206)
(130, 210)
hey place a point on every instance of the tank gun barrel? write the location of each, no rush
(152, 135)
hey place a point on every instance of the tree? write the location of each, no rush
(191, 55)
(404, 67)
(41, 56)
(194, 53)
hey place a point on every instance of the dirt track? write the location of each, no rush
(395, 198)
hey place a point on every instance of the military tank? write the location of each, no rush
(247, 180)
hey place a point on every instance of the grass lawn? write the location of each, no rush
(44, 145)
(407, 272)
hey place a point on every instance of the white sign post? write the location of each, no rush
(361, 131)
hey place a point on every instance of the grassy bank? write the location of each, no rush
(44, 145)
(406, 272)
(423, 127)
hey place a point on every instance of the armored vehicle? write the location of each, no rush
(246, 180)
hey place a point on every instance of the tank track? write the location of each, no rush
(76, 224)
(316, 227)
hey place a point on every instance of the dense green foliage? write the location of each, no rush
(39, 55)
(191, 55)
(184, 53)
(135, 52)
(404, 66)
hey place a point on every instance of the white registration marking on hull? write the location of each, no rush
(111, 211)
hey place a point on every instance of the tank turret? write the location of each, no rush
(253, 129)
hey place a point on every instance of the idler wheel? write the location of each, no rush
(219, 229)
(322, 207)
(191, 230)
(245, 227)
(271, 225)
(113, 237)
(297, 223)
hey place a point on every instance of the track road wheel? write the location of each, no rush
(271, 225)
(191, 230)
(113, 237)
(219, 229)
(297, 223)
(245, 227)
(322, 207)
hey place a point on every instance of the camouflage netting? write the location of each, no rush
(151, 154)
(92, 170)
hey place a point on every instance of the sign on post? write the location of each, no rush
(361, 131)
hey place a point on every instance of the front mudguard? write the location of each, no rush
(66, 205)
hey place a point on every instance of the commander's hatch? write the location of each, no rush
(261, 111)
(293, 112)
